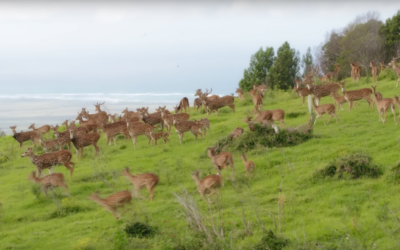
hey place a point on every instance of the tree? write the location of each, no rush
(391, 32)
(285, 68)
(307, 62)
(256, 73)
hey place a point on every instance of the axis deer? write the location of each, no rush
(322, 109)
(218, 103)
(206, 125)
(240, 93)
(332, 75)
(136, 129)
(207, 185)
(131, 114)
(374, 71)
(45, 129)
(140, 181)
(49, 181)
(270, 116)
(63, 136)
(111, 130)
(378, 95)
(169, 118)
(339, 100)
(81, 130)
(355, 72)
(249, 166)
(308, 79)
(301, 92)
(51, 145)
(320, 91)
(160, 135)
(236, 133)
(395, 68)
(397, 102)
(81, 141)
(49, 160)
(184, 126)
(112, 202)
(197, 104)
(152, 119)
(113, 118)
(383, 105)
(221, 160)
(101, 116)
(90, 125)
(257, 98)
(24, 136)
(210, 98)
(183, 104)
(356, 95)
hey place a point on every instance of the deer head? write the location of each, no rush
(28, 152)
(198, 92)
(97, 105)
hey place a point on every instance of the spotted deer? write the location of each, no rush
(169, 118)
(355, 72)
(63, 136)
(270, 116)
(101, 116)
(49, 160)
(257, 98)
(308, 79)
(112, 202)
(383, 105)
(301, 92)
(332, 75)
(90, 125)
(320, 91)
(140, 181)
(374, 71)
(210, 98)
(136, 129)
(378, 95)
(208, 185)
(324, 108)
(249, 166)
(111, 130)
(397, 102)
(160, 135)
(197, 104)
(49, 181)
(218, 103)
(83, 140)
(355, 95)
(45, 129)
(184, 126)
(152, 119)
(131, 114)
(183, 104)
(206, 125)
(221, 161)
(339, 100)
(24, 136)
(51, 145)
(395, 68)
(113, 118)
(240, 93)
(81, 130)
(238, 131)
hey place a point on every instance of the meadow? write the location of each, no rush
(285, 196)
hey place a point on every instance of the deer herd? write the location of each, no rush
(132, 124)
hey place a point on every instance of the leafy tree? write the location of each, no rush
(391, 32)
(307, 62)
(260, 63)
(285, 68)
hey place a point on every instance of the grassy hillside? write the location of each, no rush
(309, 212)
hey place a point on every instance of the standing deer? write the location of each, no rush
(249, 166)
(238, 131)
(378, 95)
(24, 136)
(183, 104)
(152, 119)
(136, 129)
(131, 114)
(206, 125)
(374, 71)
(160, 135)
(84, 140)
(49, 160)
(100, 116)
(211, 98)
(356, 95)
(51, 145)
(395, 68)
(45, 129)
(184, 126)
(383, 105)
(111, 130)
(339, 100)
(207, 185)
(322, 109)
(332, 75)
(257, 98)
(383, 66)
(197, 104)
(320, 91)
(240, 93)
(169, 118)
(90, 125)
(218, 103)
(63, 136)
(49, 181)
(301, 92)
(221, 160)
(112, 202)
(148, 180)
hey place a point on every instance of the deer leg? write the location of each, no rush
(151, 191)
(394, 113)
(303, 99)
(44, 189)
(77, 153)
(134, 141)
(384, 119)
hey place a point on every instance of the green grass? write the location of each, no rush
(325, 213)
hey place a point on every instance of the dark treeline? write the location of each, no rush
(361, 41)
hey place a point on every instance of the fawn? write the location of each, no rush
(207, 185)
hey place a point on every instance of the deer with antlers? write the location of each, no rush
(81, 141)
(301, 92)
(63, 136)
(131, 115)
(112, 202)
(169, 118)
(184, 126)
(45, 129)
(207, 185)
(355, 95)
(395, 68)
(221, 160)
(140, 181)
(100, 116)
(324, 109)
(49, 160)
(49, 181)
(249, 166)
(136, 129)
(24, 136)
(218, 103)
(240, 93)
(152, 119)
(183, 104)
(374, 71)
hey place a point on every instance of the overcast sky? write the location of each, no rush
(157, 47)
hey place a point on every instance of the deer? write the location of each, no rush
(112, 202)
(378, 95)
(111, 130)
(169, 118)
(211, 98)
(206, 125)
(395, 68)
(240, 93)
(322, 109)
(90, 125)
(49, 181)
(257, 98)
(207, 185)
(197, 104)
(269, 116)
(183, 126)
(49, 160)
(221, 161)
(218, 103)
(63, 136)
(148, 180)
(339, 100)
(356, 95)
(320, 91)
(374, 71)
(383, 66)
(355, 72)
(24, 136)
(238, 131)
(45, 129)
(113, 118)
(100, 116)
(51, 145)
(382, 105)
(131, 115)
(81, 130)
(160, 135)
(308, 79)
(136, 129)
(81, 141)
(249, 166)
(183, 104)
(301, 92)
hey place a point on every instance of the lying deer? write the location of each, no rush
(207, 185)
(249, 166)
(221, 160)
(49, 181)
(148, 180)
(112, 202)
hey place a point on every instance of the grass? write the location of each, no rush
(282, 197)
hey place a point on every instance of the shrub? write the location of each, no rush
(123, 147)
(395, 173)
(140, 230)
(292, 115)
(356, 165)
(271, 241)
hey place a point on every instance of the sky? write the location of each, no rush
(56, 54)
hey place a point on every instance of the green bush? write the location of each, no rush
(139, 230)
(356, 165)
(272, 242)
(388, 74)
(291, 115)
(395, 173)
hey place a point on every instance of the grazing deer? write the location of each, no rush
(301, 92)
(207, 185)
(169, 118)
(111, 130)
(236, 133)
(206, 125)
(49, 160)
(183, 104)
(148, 180)
(41, 130)
(160, 135)
(49, 181)
(112, 202)
(249, 166)
(197, 104)
(24, 136)
(240, 93)
(81, 141)
(218, 103)
(269, 116)
(324, 108)
(221, 160)
(257, 98)
(383, 105)
(356, 95)
(378, 95)
(374, 71)
(184, 126)
(136, 129)
(332, 75)
(210, 98)
(339, 100)
(395, 68)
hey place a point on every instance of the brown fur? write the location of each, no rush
(339, 100)
(139, 181)
(240, 93)
(218, 103)
(183, 104)
(236, 133)
(378, 95)
(169, 118)
(396, 69)
(197, 104)
(301, 92)
(383, 105)
(48, 181)
(45, 129)
(160, 135)
(112, 202)
(221, 161)
(136, 129)
(24, 136)
(81, 141)
(207, 185)
(249, 166)
(270, 116)
(324, 108)
(374, 71)
(356, 95)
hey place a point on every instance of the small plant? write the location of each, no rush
(272, 242)
(292, 115)
(123, 147)
(139, 230)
